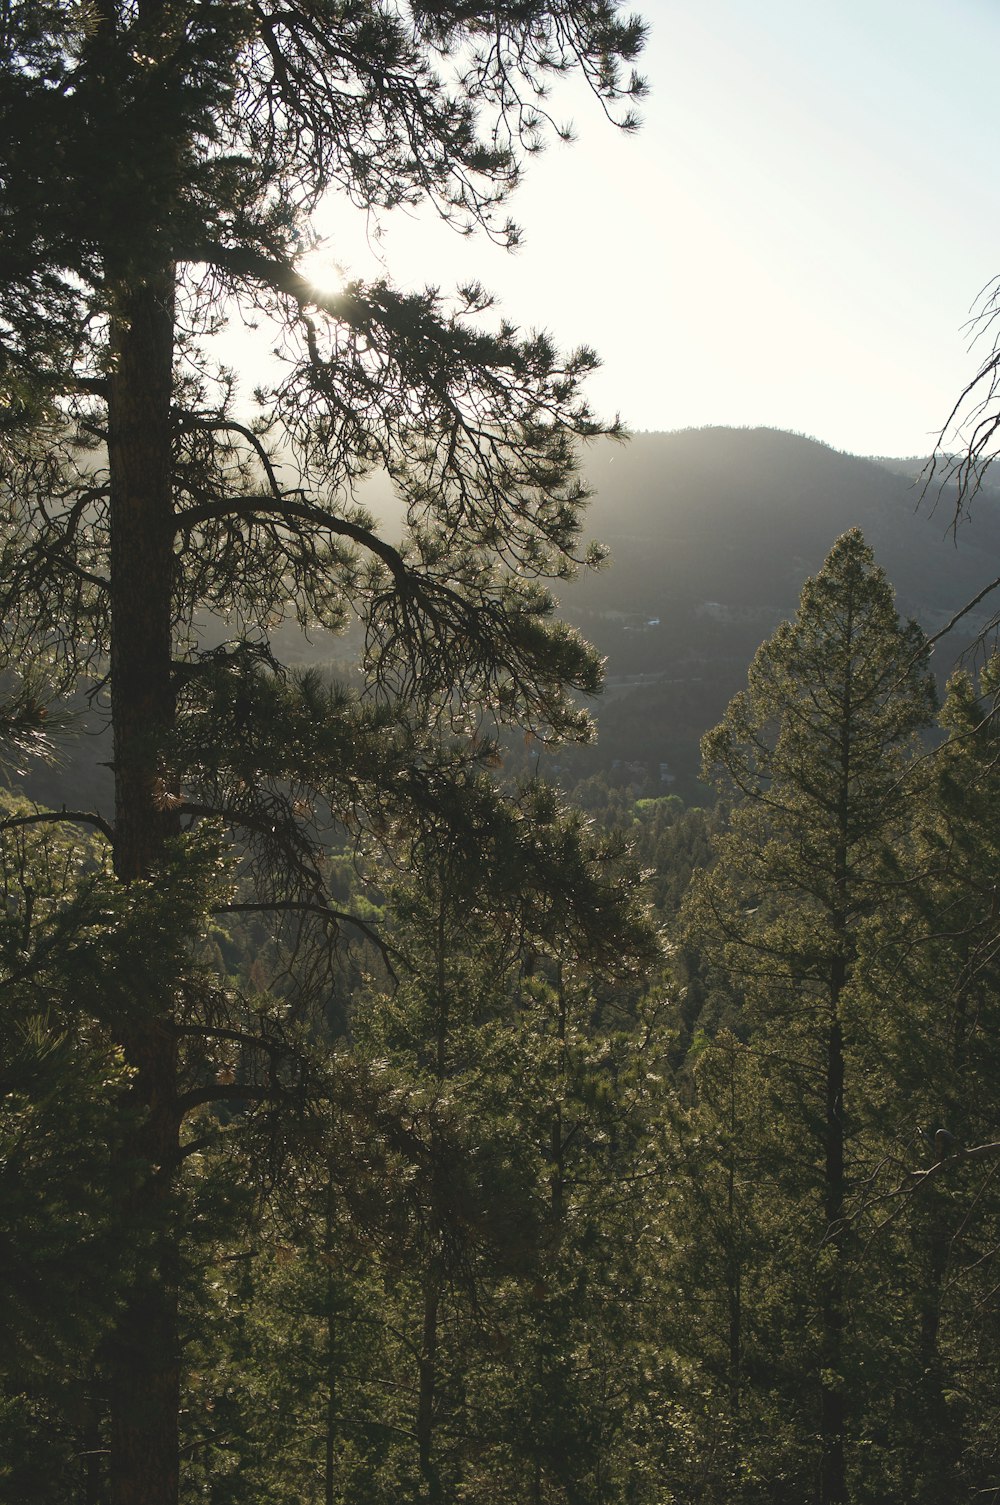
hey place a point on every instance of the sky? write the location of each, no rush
(795, 238)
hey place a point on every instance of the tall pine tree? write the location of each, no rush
(935, 988)
(159, 165)
(817, 754)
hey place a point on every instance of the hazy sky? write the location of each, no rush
(796, 236)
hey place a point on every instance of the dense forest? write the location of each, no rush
(393, 1108)
(481, 1205)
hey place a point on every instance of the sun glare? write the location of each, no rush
(322, 272)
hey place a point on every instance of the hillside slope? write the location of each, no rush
(712, 532)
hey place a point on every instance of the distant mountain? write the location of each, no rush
(742, 516)
(712, 533)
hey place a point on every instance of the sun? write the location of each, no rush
(322, 272)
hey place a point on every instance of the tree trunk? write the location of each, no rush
(94, 1484)
(557, 1147)
(833, 1482)
(427, 1386)
(934, 1447)
(734, 1260)
(331, 1309)
(142, 564)
(144, 1353)
(833, 1469)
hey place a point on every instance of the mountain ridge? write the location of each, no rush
(712, 533)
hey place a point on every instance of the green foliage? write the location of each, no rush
(819, 751)
(443, 1292)
(69, 942)
(933, 991)
(160, 165)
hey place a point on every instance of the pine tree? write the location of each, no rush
(160, 163)
(817, 752)
(76, 951)
(934, 987)
(489, 1040)
(736, 1275)
(396, 1342)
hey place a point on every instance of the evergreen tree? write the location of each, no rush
(160, 160)
(444, 1315)
(934, 989)
(736, 1285)
(818, 751)
(76, 951)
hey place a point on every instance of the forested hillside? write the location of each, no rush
(544, 1221)
(711, 533)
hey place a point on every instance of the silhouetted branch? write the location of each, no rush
(964, 611)
(287, 508)
(324, 911)
(48, 817)
(230, 425)
(244, 1092)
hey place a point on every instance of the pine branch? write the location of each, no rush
(230, 425)
(285, 507)
(47, 817)
(324, 911)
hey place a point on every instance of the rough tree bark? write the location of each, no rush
(145, 1378)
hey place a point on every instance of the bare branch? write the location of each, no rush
(230, 425)
(240, 1092)
(969, 606)
(324, 911)
(48, 817)
(285, 506)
